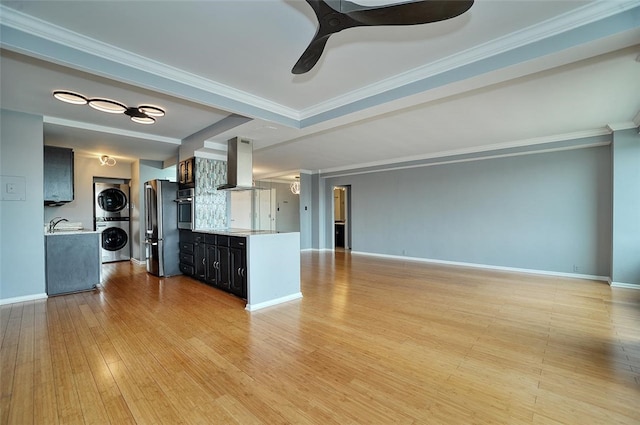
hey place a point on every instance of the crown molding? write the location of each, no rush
(618, 126)
(582, 16)
(37, 27)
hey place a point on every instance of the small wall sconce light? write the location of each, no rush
(107, 160)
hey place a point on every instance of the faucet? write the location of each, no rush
(53, 223)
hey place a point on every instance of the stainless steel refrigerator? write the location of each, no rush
(161, 228)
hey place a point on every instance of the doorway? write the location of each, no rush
(342, 217)
(265, 209)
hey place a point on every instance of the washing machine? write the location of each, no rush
(114, 238)
(111, 200)
(111, 214)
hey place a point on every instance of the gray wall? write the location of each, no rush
(21, 222)
(306, 209)
(543, 211)
(625, 267)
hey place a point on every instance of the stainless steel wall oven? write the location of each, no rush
(186, 209)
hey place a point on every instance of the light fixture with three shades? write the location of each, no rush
(143, 114)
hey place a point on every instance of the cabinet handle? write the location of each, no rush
(203, 262)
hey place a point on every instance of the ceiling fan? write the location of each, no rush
(351, 15)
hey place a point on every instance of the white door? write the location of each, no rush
(240, 209)
(265, 213)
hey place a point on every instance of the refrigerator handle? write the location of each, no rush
(147, 207)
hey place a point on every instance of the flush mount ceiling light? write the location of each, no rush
(70, 97)
(138, 116)
(144, 114)
(107, 105)
(107, 160)
(152, 111)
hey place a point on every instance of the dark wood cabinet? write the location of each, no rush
(186, 173)
(58, 175)
(224, 274)
(211, 271)
(187, 259)
(238, 266)
(217, 260)
(199, 256)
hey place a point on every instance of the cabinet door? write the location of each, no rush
(58, 175)
(224, 267)
(182, 172)
(191, 169)
(200, 259)
(211, 265)
(238, 281)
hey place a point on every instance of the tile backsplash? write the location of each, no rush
(210, 204)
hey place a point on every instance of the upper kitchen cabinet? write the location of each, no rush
(58, 175)
(186, 173)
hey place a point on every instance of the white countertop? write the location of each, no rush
(237, 232)
(59, 232)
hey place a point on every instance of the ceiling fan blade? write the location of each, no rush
(415, 13)
(310, 56)
(330, 21)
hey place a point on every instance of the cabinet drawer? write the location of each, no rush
(186, 248)
(210, 239)
(223, 240)
(186, 258)
(187, 269)
(198, 237)
(237, 242)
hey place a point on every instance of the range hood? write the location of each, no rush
(239, 165)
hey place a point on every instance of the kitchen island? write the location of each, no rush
(261, 266)
(72, 261)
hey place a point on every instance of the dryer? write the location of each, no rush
(111, 215)
(114, 239)
(111, 200)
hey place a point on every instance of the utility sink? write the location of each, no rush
(64, 227)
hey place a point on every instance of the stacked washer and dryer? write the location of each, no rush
(112, 220)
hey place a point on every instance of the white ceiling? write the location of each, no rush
(505, 73)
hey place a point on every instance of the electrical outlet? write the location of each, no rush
(575, 268)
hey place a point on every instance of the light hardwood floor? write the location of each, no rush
(373, 341)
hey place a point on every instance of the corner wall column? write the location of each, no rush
(625, 250)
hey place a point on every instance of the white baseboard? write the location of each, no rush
(254, 307)
(487, 266)
(23, 299)
(624, 285)
(138, 262)
(316, 249)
